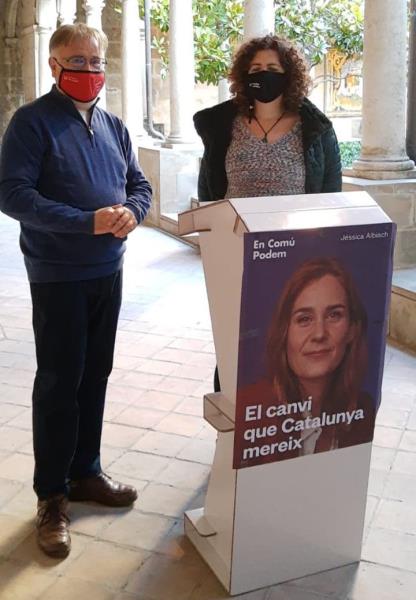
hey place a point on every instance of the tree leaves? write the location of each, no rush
(314, 25)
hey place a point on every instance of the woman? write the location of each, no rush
(269, 139)
(317, 360)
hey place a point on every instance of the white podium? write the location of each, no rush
(273, 522)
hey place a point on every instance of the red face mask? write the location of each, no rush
(82, 86)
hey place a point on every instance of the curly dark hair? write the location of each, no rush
(292, 61)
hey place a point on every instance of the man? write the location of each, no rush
(69, 175)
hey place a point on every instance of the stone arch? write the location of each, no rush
(32, 22)
(25, 28)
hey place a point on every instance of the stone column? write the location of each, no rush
(93, 10)
(46, 18)
(66, 11)
(411, 88)
(132, 61)
(11, 84)
(383, 154)
(28, 48)
(258, 18)
(384, 170)
(223, 90)
(181, 72)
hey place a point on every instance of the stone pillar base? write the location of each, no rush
(178, 145)
(380, 175)
(173, 175)
(397, 197)
(402, 323)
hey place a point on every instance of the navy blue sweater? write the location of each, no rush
(55, 171)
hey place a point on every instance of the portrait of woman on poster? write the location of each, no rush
(317, 350)
(269, 139)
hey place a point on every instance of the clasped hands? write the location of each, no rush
(117, 219)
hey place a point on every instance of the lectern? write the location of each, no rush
(277, 509)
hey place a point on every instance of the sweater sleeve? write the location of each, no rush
(138, 189)
(333, 170)
(20, 167)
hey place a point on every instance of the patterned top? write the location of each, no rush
(256, 168)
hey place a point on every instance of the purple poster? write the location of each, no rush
(313, 325)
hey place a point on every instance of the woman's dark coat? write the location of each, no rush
(320, 146)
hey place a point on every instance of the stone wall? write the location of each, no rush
(111, 20)
(402, 322)
(11, 82)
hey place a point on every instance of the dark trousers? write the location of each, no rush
(75, 327)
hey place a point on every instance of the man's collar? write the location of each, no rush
(67, 102)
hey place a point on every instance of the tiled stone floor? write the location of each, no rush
(155, 437)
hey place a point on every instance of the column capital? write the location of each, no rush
(43, 29)
(93, 5)
(67, 10)
(93, 10)
(46, 13)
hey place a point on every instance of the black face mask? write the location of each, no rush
(265, 86)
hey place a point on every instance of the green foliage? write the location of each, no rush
(297, 21)
(218, 26)
(318, 25)
(345, 20)
(315, 25)
(350, 151)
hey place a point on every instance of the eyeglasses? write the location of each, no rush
(80, 62)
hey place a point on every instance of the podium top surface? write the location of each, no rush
(278, 204)
(303, 211)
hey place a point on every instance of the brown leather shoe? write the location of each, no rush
(52, 526)
(102, 489)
